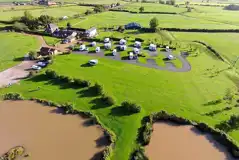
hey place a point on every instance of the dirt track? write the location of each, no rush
(14, 74)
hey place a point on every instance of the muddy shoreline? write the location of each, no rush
(45, 132)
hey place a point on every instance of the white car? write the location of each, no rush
(170, 57)
(35, 67)
(41, 64)
(97, 49)
(93, 62)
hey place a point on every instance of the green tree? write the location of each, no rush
(88, 12)
(99, 8)
(32, 55)
(141, 9)
(153, 23)
(29, 20)
(20, 26)
(45, 19)
(68, 25)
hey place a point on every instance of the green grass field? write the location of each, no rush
(14, 46)
(52, 11)
(149, 7)
(116, 18)
(225, 43)
(51, 41)
(181, 93)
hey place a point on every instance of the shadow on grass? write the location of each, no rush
(98, 103)
(86, 65)
(108, 54)
(125, 58)
(89, 92)
(38, 78)
(18, 59)
(102, 141)
(119, 111)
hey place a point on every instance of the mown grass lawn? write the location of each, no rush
(51, 41)
(181, 93)
(109, 19)
(224, 43)
(13, 47)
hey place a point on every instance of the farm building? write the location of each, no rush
(46, 51)
(92, 32)
(132, 25)
(70, 38)
(122, 42)
(152, 47)
(51, 28)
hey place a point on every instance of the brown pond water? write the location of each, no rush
(48, 134)
(174, 142)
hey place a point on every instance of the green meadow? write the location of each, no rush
(56, 12)
(225, 43)
(108, 19)
(15, 46)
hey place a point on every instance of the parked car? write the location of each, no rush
(35, 67)
(97, 49)
(93, 62)
(170, 57)
(41, 64)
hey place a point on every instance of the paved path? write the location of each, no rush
(169, 66)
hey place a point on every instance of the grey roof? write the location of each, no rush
(91, 29)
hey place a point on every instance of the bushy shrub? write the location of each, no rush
(31, 74)
(98, 89)
(32, 55)
(231, 124)
(80, 83)
(139, 154)
(51, 74)
(68, 108)
(12, 96)
(107, 100)
(131, 107)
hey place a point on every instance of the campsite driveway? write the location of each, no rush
(151, 63)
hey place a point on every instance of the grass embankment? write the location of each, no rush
(13, 48)
(184, 94)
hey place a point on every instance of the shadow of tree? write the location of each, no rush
(18, 59)
(102, 141)
(89, 92)
(119, 111)
(98, 156)
(98, 103)
(86, 65)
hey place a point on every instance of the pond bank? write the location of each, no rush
(46, 133)
(171, 141)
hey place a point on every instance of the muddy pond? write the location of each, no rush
(48, 134)
(176, 142)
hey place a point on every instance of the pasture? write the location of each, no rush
(109, 19)
(155, 7)
(184, 94)
(56, 12)
(225, 43)
(13, 48)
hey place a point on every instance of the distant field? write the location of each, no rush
(15, 46)
(118, 18)
(55, 12)
(225, 43)
(154, 7)
(216, 14)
